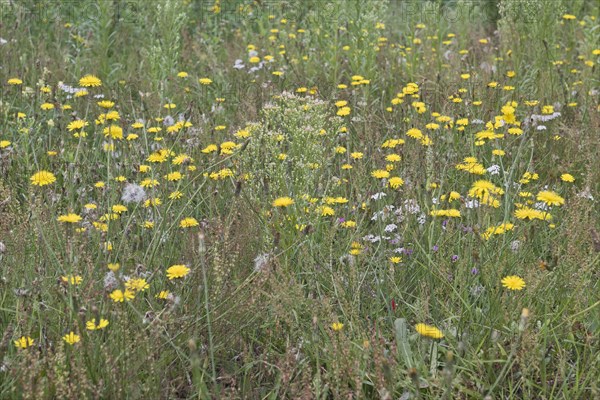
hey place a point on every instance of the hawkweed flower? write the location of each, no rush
(71, 338)
(69, 218)
(72, 279)
(429, 331)
(283, 202)
(119, 296)
(90, 81)
(177, 271)
(550, 198)
(188, 222)
(92, 326)
(137, 284)
(42, 178)
(567, 178)
(513, 282)
(337, 326)
(23, 342)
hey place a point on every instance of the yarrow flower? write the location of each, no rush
(513, 282)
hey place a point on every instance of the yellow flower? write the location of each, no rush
(106, 104)
(327, 211)
(452, 213)
(137, 284)
(119, 296)
(188, 222)
(90, 81)
(283, 202)
(396, 182)
(77, 124)
(72, 279)
(513, 282)
(177, 271)
(70, 218)
(429, 331)
(91, 324)
(71, 338)
(47, 106)
(162, 295)
(24, 342)
(114, 266)
(337, 326)
(14, 81)
(343, 111)
(550, 198)
(42, 178)
(4, 143)
(530, 213)
(205, 81)
(380, 174)
(114, 131)
(414, 133)
(567, 178)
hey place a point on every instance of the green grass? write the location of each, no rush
(254, 316)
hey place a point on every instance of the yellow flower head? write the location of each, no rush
(513, 282)
(42, 178)
(429, 331)
(177, 271)
(71, 338)
(90, 81)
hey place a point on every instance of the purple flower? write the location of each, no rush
(435, 247)
(474, 271)
(455, 258)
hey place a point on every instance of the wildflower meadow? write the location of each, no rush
(286, 199)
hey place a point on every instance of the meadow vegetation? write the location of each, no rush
(299, 199)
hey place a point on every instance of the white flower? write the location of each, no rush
(372, 238)
(390, 228)
(494, 170)
(411, 206)
(378, 196)
(472, 204)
